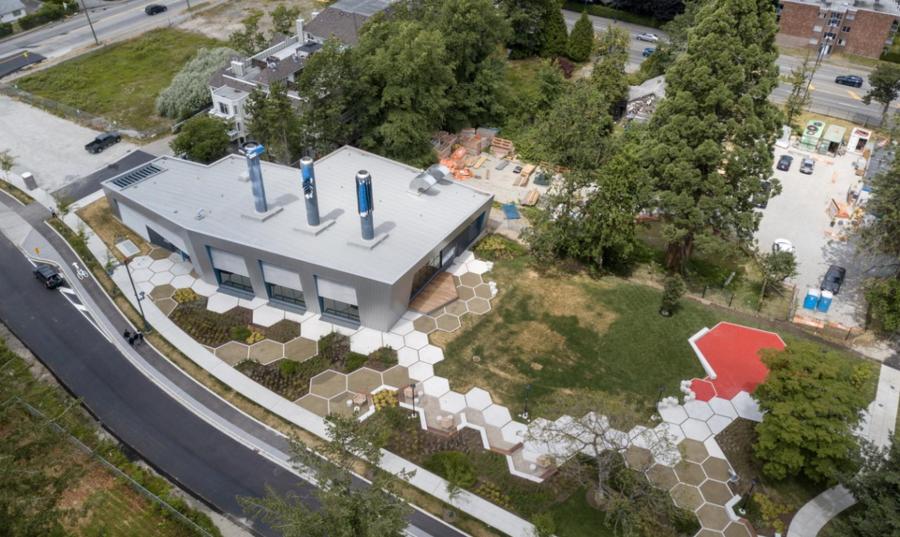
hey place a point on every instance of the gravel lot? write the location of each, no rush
(799, 215)
(50, 147)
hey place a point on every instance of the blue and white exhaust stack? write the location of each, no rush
(309, 191)
(252, 151)
(365, 203)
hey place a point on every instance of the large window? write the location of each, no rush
(424, 274)
(341, 310)
(234, 281)
(287, 295)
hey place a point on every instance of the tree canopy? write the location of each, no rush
(581, 40)
(710, 139)
(189, 90)
(327, 86)
(883, 232)
(249, 39)
(273, 122)
(203, 139)
(812, 399)
(885, 86)
(877, 491)
(530, 21)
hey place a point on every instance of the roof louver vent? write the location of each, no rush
(136, 176)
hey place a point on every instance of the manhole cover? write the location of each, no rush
(127, 247)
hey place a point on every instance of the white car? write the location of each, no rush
(782, 245)
(647, 36)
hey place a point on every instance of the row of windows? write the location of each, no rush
(286, 295)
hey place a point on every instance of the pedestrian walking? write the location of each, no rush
(140, 337)
(131, 339)
(126, 334)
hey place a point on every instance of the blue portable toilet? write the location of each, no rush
(825, 301)
(812, 299)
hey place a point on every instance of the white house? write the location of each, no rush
(11, 10)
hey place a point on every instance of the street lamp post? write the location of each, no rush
(525, 412)
(91, 24)
(138, 297)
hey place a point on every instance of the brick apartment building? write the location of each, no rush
(860, 27)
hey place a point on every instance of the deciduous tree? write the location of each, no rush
(883, 232)
(275, 123)
(284, 18)
(250, 39)
(885, 82)
(203, 139)
(883, 296)
(581, 40)
(776, 267)
(345, 510)
(811, 400)
(327, 84)
(189, 90)
(711, 138)
(799, 98)
(877, 491)
(529, 20)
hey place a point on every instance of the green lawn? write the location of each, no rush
(120, 82)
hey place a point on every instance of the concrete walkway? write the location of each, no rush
(813, 516)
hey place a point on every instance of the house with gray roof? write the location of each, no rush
(11, 10)
(352, 236)
(344, 19)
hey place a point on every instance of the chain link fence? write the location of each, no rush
(77, 115)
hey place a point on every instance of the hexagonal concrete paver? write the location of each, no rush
(717, 468)
(435, 386)
(182, 268)
(316, 328)
(713, 517)
(161, 265)
(141, 262)
(267, 316)
(718, 423)
(420, 371)
(696, 429)
(204, 289)
(407, 356)
(266, 351)
(314, 404)
(686, 496)
(723, 407)
(403, 327)
(496, 415)
(141, 275)
(183, 281)
(161, 278)
(638, 458)
(166, 305)
(396, 376)
(233, 352)
(328, 383)
(416, 340)
(694, 451)
(746, 406)
(483, 291)
(431, 354)
(698, 410)
(715, 492)
(672, 414)
(392, 341)
(470, 279)
(478, 399)
(457, 308)
(300, 349)
(342, 404)
(662, 477)
(220, 302)
(363, 380)
(425, 324)
(465, 293)
(478, 306)
(690, 473)
(253, 303)
(162, 291)
(705, 532)
(447, 322)
(738, 529)
(365, 341)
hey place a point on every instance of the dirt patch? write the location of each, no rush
(538, 338)
(223, 19)
(99, 218)
(93, 480)
(566, 297)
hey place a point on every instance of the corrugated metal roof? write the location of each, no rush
(415, 225)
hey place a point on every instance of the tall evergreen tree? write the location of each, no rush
(581, 40)
(327, 84)
(609, 70)
(710, 139)
(556, 35)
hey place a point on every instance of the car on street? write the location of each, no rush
(647, 36)
(155, 9)
(49, 276)
(102, 141)
(833, 279)
(648, 52)
(517, 169)
(849, 80)
(807, 165)
(784, 163)
(782, 245)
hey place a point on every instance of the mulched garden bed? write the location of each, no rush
(215, 329)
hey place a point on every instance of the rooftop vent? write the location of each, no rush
(365, 203)
(308, 175)
(252, 151)
(427, 179)
(136, 176)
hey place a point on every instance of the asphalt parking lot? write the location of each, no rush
(800, 215)
(50, 147)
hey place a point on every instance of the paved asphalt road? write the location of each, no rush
(211, 465)
(827, 97)
(116, 20)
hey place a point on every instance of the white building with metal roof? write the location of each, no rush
(354, 236)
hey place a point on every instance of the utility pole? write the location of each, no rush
(91, 24)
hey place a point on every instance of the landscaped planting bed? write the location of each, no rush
(215, 329)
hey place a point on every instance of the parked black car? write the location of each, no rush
(849, 80)
(103, 141)
(784, 163)
(833, 279)
(48, 276)
(154, 9)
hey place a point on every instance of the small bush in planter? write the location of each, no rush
(355, 360)
(254, 337)
(185, 295)
(239, 333)
(288, 368)
(453, 466)
(673, 290)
